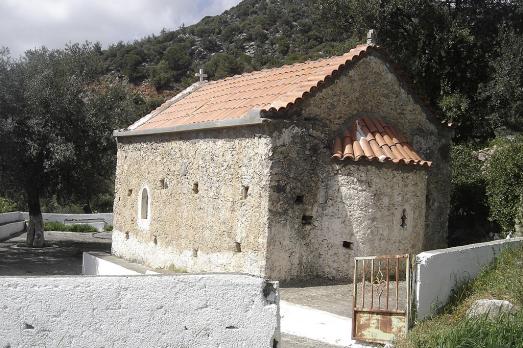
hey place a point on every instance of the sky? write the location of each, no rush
(26, 24)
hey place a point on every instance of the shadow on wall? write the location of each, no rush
(325, 212)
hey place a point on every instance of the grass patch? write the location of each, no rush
(108, 228)
(502, 280)
(58, 226)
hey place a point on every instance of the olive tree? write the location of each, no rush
(56, 120)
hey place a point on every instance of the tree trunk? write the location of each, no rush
(519, 219)
(35, 228)
(87, 208)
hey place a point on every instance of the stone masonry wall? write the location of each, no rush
(370, 88)
(359, 203)
(208, 192)
(354, 209)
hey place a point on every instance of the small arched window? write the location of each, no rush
(144, 208)
(144, 212)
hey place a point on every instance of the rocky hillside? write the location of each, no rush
(249, 36)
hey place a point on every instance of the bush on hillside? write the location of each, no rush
(6, 205)
(504, 182)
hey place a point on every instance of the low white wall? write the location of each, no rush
(99, 221)
(11, 225)
(106, 217)
(100, 263)
(438, 272)
(213, 310)
(6, 218)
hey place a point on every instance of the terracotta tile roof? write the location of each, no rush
(235, 97)
(374, 140)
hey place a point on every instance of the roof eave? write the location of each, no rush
(250, 119)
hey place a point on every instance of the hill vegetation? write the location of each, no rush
(465, 56)
(503, 280)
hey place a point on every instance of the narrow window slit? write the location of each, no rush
(404, 219)
(306, 220)
(145, 205)
(245, 192)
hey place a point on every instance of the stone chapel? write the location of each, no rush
(286, 173)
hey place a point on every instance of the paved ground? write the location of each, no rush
(325, 296)
(289, 341)
(337, 298)
(61, 256)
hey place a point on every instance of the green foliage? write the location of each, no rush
(177, 57)
(504, 178)
(161, 75)
(57, 116)
(503, 94)
(469, 212)
(6, 205)
(474, 333)
(222, 65)
(58, 226)
(501, 280)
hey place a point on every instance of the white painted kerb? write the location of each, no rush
(438, 272)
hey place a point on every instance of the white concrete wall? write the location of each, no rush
(6, 218)
(438, 272)
(75, 218)
(11, 224)
(100, 263)
(214, 310)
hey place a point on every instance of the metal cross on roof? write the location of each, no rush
(201, 75)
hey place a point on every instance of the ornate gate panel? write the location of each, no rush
(381, 298)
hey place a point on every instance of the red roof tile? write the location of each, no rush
(374, 140)
(234, 97)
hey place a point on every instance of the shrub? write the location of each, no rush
(469, 212)
(504, 179)
(58, 226)
(6, 205)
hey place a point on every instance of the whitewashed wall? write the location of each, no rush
(100, 263)
(214, 310)
(11, 224)
(440, 271)
(99, 221)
